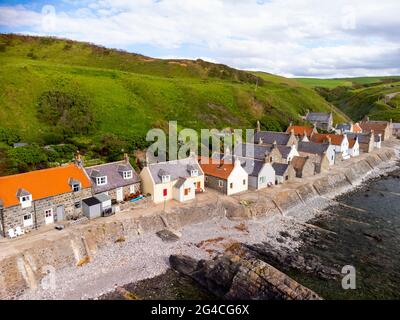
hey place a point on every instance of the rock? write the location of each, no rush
(238, 274)
(169, 235)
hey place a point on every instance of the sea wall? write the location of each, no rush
(25, 266)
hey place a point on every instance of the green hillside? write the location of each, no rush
(56, 91)
(344, 82)
(375, 97)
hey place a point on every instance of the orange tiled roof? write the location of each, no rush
(368, 126)
(357, 128)
(221, 170)
(299, 130)
(336, 139)
(41, 183)
(352, 142)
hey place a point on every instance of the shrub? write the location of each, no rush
(70, 112)
(9, 136)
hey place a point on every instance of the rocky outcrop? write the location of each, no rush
(240, 275)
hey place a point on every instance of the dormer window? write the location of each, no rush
(194, 173)
(101, 181)
(165, 178)
(127, 174)
(25, 198)
(76, 187)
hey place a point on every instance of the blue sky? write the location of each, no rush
(288, 37)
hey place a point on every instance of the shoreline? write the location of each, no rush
(145, 255)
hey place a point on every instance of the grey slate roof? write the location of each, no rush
(284, 150)
(102, 197)
(180, 183)
(268, 137)
(318, 117)
(363, 138)
(312, 147)
(280, 168)
(251, 166)
(344, 127)
(22, 193)
(115, 177)
(176, 169)
(396, 125)
(245, 150)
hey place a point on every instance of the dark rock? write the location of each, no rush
(168, 235)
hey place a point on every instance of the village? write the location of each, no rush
(72, 194)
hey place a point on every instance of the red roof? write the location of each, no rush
(41, 183)
(299, 130)
(221, 170)
(336, 139)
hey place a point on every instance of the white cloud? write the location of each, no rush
(288, 37)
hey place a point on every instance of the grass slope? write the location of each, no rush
(131, 93)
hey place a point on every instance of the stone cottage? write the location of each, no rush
(34, 199)
(304, 167)
(339, 141)
(384, 128)
(116, 179)
(366, 141)
(322, 120)
(321, 154)
(283, 172)
(258, 151)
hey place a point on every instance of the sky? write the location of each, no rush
(294, 38)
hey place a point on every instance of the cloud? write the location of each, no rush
(287, 37)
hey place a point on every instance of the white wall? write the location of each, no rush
(236, 178)
(268, 172)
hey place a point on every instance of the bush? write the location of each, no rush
(9, 136)
(71, 113)
(31, 155)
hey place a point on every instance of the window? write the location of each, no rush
(76, 187)
(287, 178)
(25, 198)
(165, 192)
(194, 173)
(77, 205)
(127, 174)
(271, 159)
(101, 181)
(220, 183)
(244, 182)
(187, 191)
(263, 179)
(231, 185)
(28, 221)
(166, 179)
(48, 213)
(206, 179)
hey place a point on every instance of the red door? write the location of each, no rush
(165, 192)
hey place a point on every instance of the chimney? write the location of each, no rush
(258, 128)
(78, 159)
(267, 158)
(291, 124)
(260, 141)
(274, 144)
(227, 151)
(236, 162)
(126, 158)
(329, 140)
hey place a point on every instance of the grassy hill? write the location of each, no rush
(359, 97)
(55, 91)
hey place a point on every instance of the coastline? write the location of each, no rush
(145, 255)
